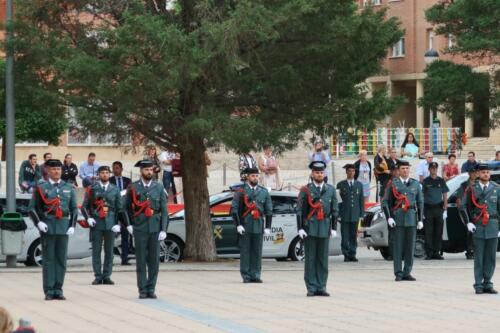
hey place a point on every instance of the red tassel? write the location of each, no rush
(486, 218)
(255, 213)
(321, 214)
(102, 213)
(59, 213)
(148, 212)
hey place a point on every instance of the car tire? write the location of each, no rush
(171, 249)
(419, 247)
(296, 251)
(34, 257)
(385, 252)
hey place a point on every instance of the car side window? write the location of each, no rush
(284, 205)
(22, 206)
(221, 209)
(496, 178)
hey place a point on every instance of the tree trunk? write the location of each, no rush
(200, 243)
(4, 152)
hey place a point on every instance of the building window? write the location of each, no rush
(430, 39)
(398, 50)
(372, 2)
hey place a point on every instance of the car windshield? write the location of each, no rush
(213, 199)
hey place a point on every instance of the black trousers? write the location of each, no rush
(433, 229)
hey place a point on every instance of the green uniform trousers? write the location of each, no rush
(485, 254)
(54, 250)
(316, 263)
(404, 248)
(433, 230)
(349, 243)
(98, 237)
(147, 254)
(250, 255)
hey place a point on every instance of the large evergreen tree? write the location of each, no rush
(241, 73)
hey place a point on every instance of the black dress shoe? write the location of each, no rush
(247, 280)
(257, 281)
(322, 293)
(389, 258)
(438, 257)
(409, 278)
(143, 296)
(49, 297)
(469, 255)
(428, 258)
(310, 294)
(479, 291)
(108, 281)
(346, 259)
(96, 282)
(490, 291)
(354, 259)
(60, 297)
(398, 278)
(152, 295)
(126, 263)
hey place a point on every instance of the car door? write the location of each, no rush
(284, 226)
(225, 235)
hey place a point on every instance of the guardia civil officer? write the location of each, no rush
(251, 203)
(481, 208)
(403, 207)
(102, 205)
(53, 209)
(352, 209)
(146, 207)
(462, 190)
(317, 213)
(435, 193)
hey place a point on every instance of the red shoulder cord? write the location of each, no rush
(484, 213)
(317, 208)
(54, 204)
(251, 207)
(144, 206)
(402, 199)
(99, 203)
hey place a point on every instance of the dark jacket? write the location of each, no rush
(69, 173)
(356, 165)
(126, 182)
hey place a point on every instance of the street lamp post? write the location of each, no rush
(429, 57)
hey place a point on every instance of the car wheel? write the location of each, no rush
(419, 247)
(34, 257)
(296, 251)
(384, 251)
(171, 249)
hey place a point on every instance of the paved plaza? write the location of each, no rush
(196, 297)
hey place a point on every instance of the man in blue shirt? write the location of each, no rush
(471, 162)
(88, 170)
(320, 155)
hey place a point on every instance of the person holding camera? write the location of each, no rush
(320, 154)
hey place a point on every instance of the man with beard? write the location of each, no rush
(462, 190)
(317, 213)
(54, 211)
(250, 205)
(146, 207)
(101, 207)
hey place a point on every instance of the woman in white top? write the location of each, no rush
(269, 166)
(410, 149)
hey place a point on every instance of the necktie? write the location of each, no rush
(318, 188)
(120, 183)
(350, 185)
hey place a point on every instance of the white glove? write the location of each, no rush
(267, 231)
(91, 222)
(240, 229)
(499, 234)
(391, 222)
(42, 226)
(116, 228)
(302, 234)
(333, 233)
(420, 225)
(70, 231)
(471, 227)
(162, 236)
(445, 215)
(130, 229)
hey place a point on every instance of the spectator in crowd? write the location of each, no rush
(153, 157)
(497, 156)
(166, 157)
(29, 174)
(24, 326)
(470, 163)
(423, 167)
(392, 160)
(88, 170)
(269, 166)
(495, 163)
(363, 173)
(410, 149)
(6, 323)
(246, 161)
(450, 169)
(320, 154)
(122, 183)
(43, 168)
(177, 173)
(381, 169)
(69, 170)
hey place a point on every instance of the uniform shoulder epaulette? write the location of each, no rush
(41, 182)
(262, 187)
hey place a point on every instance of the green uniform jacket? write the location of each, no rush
(264, 205)
(113, 201)
(491, 197)
(416, 203)
(313, 226)
(28, 174)
(39, 211)
(157, 196)
(352, 207)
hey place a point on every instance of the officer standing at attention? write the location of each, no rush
(250, 204)
(317, 214)
(388, 188)
(54, 211)
(352, 209)
(403, 206)
(146, 207)
(462, 190)
(481, 208)
(102, 205)
(435, 211)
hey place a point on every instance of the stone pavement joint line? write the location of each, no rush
(219, 323)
